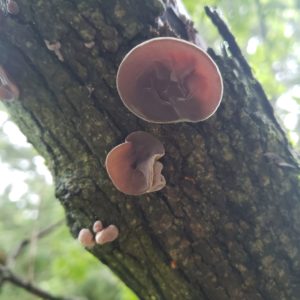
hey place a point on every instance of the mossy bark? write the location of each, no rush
(227, 224)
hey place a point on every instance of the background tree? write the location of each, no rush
(226, 225)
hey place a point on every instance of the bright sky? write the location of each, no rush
(13, 177)
(287, 100)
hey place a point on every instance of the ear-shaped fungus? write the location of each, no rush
(133, 166)
(8, 90)
(168, 80)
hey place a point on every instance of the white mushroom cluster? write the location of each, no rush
(100, 235)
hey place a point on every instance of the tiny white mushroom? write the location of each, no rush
(107, 235)
(97, 227)
(86, 238)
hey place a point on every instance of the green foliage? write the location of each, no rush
(269, 34)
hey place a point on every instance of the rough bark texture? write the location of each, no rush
(227, 224)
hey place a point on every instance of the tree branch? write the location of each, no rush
(44, 232)
(229, 38)
(261, 19)
(9, 276)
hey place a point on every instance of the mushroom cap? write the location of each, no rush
(8, 89)
(168, 80)
(12, 7)
(86, 238)
(107, 235)
(98, 226)
(133, 167)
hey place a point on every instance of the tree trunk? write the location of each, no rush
(227, 224)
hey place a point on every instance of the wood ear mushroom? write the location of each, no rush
(133, 166)
(169, 80)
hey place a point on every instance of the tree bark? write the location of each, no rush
(227, 224)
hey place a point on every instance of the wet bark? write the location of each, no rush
(227, 224)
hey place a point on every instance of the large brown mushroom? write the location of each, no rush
(133, 166)
(168, 80)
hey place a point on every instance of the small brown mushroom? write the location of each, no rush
(12, 7)
(107, 235)
(168, 80)
(86, 238)
(8, 90)
(56, 48)
(133, 166)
